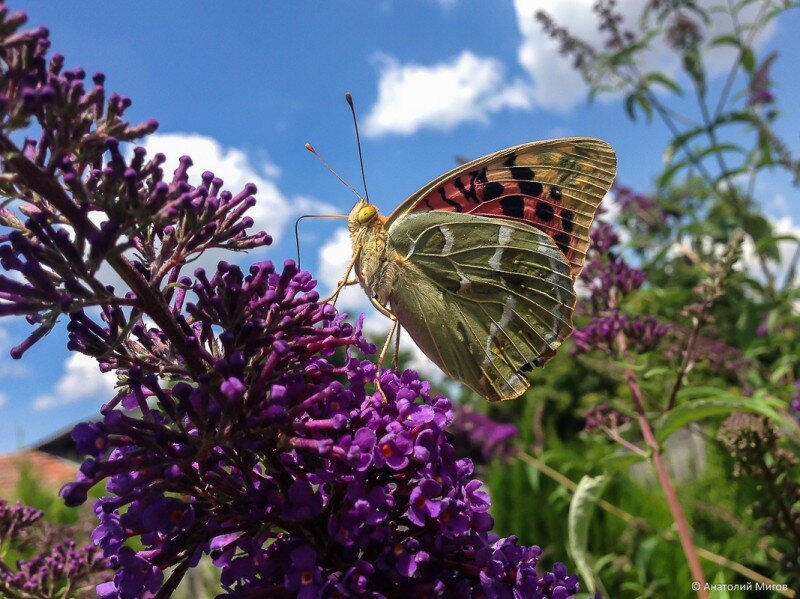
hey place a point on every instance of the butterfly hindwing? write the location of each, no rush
(484, 298)
(554, 185)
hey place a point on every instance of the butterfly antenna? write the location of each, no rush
(311, 149)
(296, 230)
(349, 99)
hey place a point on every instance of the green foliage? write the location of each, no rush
(734, 345)
(31, 492)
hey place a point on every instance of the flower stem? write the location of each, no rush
(684, 534)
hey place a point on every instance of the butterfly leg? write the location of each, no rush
(345, 280)
(390, 315)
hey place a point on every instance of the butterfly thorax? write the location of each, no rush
(376, 269)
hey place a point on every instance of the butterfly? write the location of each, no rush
(479, 265)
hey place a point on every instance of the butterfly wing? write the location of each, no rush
(554, 185)
(484, 298)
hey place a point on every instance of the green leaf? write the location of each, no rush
(718, 405)
(638, 99)
(630, 106)
(757, 227)
(694, 67)
(581, 510)
(748, 60)
(773, 241)
(719, 592)
(621, 460)
(534, 477)
(724, 40)
(719, 149)
(666, 176)
(662, 79)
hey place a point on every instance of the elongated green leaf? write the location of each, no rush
(748, 60)
(694, 67)
(719, 149)
(722, 40)
(719, 591)
(662, 79)
(534, 477)
(665, 178)
(773, 240)
(621, 460)
(699, 409)
(581, 510)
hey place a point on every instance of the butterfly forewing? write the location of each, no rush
(554, 185)
(484, 298)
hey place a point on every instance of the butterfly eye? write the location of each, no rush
(366, 214)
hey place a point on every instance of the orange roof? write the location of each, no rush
(48, 470)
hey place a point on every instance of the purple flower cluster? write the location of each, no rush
(720, 357)
(76, 167)
(759, 91)
(643, 334)
(14, 518)
(56, 568)
(604, 418)
(608, 278)
(479, 432)
(286, 471)
(52, 573)
(794, 407)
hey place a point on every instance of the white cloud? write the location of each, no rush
(3, 399)
(557, 86)
(443, 95)
(273, 210)
(81, 380)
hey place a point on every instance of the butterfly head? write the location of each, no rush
(361, 216)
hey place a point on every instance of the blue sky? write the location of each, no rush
(242, 86)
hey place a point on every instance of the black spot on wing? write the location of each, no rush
(531, 188)
(513, 206)
(448, 201)
(544, 211)
(510, 160)
(492, 191)
(479, 176)
(567, 222)
(522, 173)
(555, 193)
(469, 194)
(562, 241)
